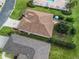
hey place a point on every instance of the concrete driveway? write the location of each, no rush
(3, 40)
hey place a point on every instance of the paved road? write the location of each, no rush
(6, 10)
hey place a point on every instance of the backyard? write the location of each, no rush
(56, 52)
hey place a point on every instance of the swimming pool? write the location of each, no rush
(50, 1)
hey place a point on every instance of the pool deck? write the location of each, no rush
(57, 4)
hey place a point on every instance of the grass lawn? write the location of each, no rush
(5, 31)
(56, 52)
(19, 8)
(0, 53)
(21, 5)
(7, 55)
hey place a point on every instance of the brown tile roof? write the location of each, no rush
(38, 23)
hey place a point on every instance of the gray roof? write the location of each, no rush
(32, 48)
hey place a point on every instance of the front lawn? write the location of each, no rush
(5, 31)
(20, 7)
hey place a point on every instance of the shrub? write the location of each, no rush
(67, 12)
(61, 17)
(64, 44)
(62, 28)
(0, 50)
(30, 4)
(69, 19)
(71, 45)
(72, 31)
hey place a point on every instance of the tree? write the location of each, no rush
(72, 31)
(68, 19)
(30, 4)
(62, 28)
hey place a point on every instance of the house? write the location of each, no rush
(38, 23)
(27, 48)
(56, 4)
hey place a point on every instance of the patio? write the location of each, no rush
(57, 4)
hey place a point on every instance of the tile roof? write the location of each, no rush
(38, 23)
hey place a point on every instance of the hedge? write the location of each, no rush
(30, 4)
(64, 44)
(67, 12)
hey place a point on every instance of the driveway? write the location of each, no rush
(11, 23)
(31, 48)
(3, 40)
(6, 10)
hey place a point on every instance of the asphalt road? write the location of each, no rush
(6, 10)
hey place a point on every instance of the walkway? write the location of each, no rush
(6, 10)
(11, 23)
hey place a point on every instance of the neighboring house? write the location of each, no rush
(27, 48)
(56, 4)
(38, 23)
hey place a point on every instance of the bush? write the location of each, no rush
(67, 12)
(62, 28)
(69, 19)
(30, 4)
(64, 44)
(0, 50)
(61, 17)
(72, 31)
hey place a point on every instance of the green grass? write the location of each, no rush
(7, 55)
(60, 53)
(19, 8)
(5, 31)
(0, 53)
(56, 52)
